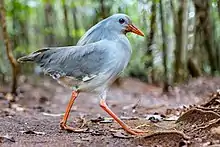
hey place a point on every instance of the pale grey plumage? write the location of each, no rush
(105, 29)
(102, 53)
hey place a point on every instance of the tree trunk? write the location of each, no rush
(180, 30)
(166, 78)
(12, 60)
(102, 12)
(49, 23)
(150, 41)
(24, 32)
(76, 26)
(103, 9)
(218, 4)
(217, 46)
(15, 25)
(204, 28)
(193, 68)
(66, 25)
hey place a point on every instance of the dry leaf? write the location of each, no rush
(33, 132)
(6, 138)
(17, 107)
(53, 115)
(216, 130)
(172, 118)
(154, 118)
(120, 135)
(102, 120)
(9, 97)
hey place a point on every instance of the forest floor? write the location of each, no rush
(189, 115)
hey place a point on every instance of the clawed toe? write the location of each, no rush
(70, 129)
(136, 131)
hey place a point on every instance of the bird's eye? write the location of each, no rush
(121, 20)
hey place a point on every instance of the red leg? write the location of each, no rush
(118, 120)
(66, 115)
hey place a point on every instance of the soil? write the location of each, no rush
(189, 115)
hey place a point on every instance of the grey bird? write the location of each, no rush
(100, 56)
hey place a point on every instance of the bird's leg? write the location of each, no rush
(67, 112)
(117, 119)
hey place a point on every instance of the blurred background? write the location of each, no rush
(181, 39)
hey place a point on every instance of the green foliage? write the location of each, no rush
(27, 25)
(77, 33)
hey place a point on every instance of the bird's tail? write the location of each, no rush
(33, 56)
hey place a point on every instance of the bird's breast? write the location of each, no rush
(119, 56)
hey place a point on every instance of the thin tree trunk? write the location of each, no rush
(217, 46)
(76, 26)
(218, 4)
(180, 30)
(65, 13)
(13, 62)
(15, 26)
(103, 9)
(204, 28)
(150, 41)
(102, 12)
(24, 32)
(3, 78)
(48, 12)
(193, 68)
(166, 78)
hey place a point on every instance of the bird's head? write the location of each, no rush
(109, 28)
(122, 23)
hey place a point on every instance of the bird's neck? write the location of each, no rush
(99, 32)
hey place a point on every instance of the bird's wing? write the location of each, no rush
(80, 62)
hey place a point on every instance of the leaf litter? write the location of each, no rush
(7, 138)
(33, 132)
(186, 125)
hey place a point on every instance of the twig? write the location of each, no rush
(13, 62)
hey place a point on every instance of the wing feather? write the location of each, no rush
(80, 62)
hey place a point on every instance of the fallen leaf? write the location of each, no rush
(128, 107)
(53, 115)
(216, 130)
(17, 107)
(39, 108)
(9, 97)
(6, 138)
(86, 139)
(110, 120)
(120, 135)
(33, 132)
(107, 120)
(43, 100)
(102, 120)
(7, 112)
(206, 144)
(98, 119)
(154, 118)
(97, 133)
(128, 118)
(172, 118)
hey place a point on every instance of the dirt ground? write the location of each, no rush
(189, 115)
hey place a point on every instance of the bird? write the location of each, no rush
(92, 65)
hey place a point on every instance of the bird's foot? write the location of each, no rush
(63, 126)
(136, 131)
